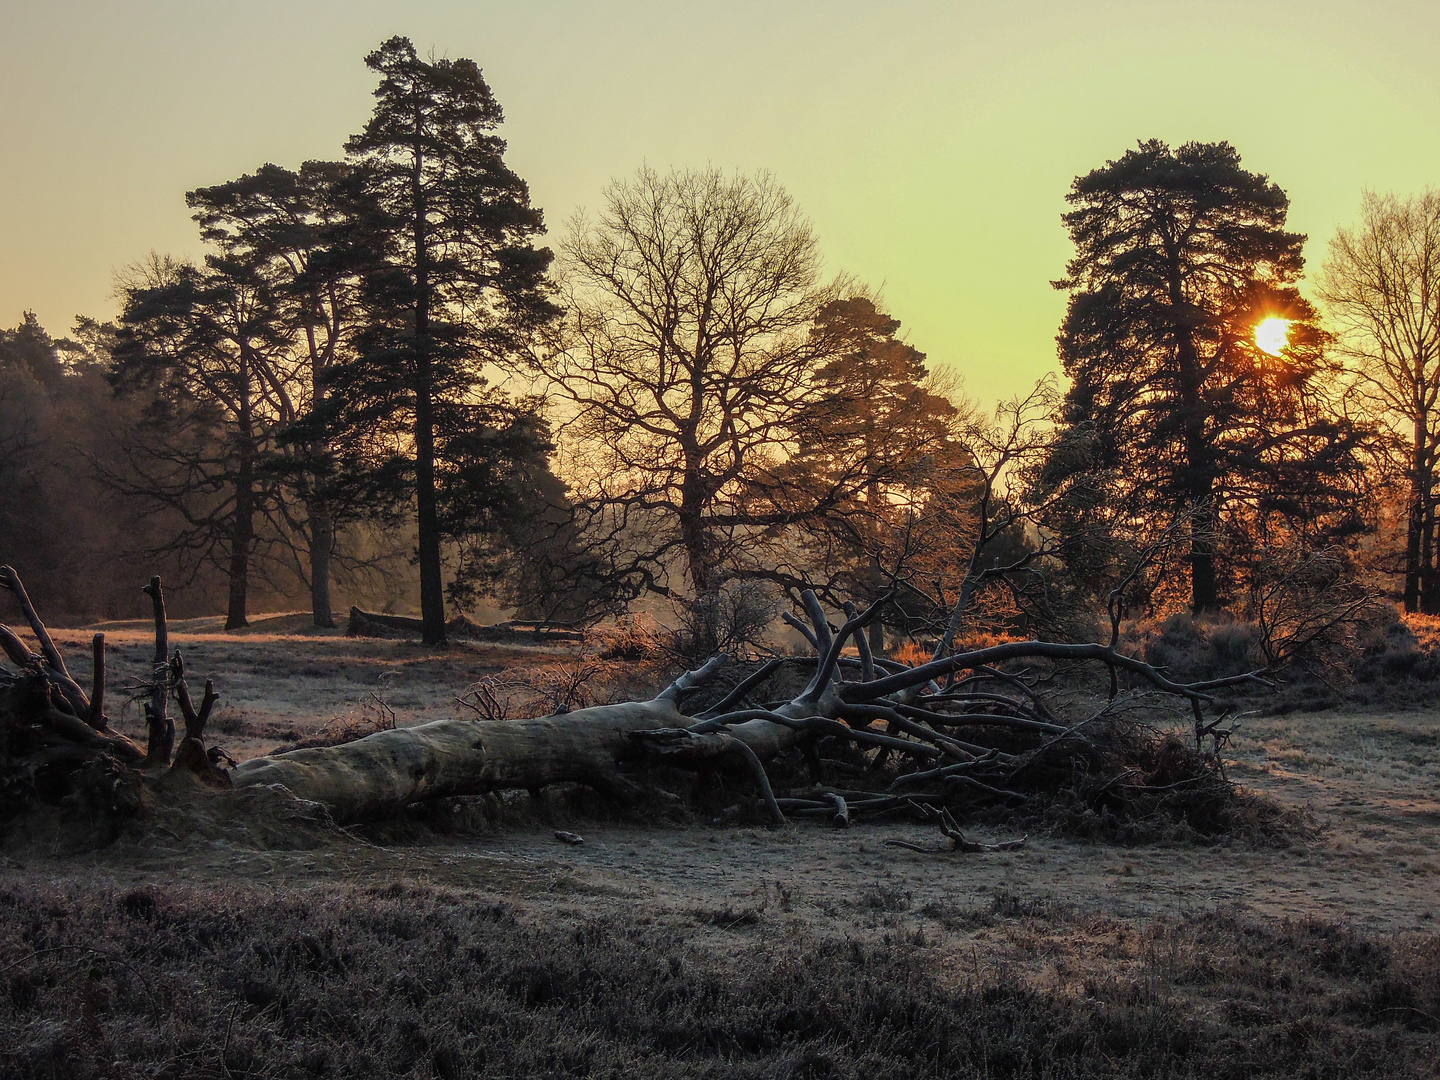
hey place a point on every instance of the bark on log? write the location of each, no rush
(390, 769)
(78, 731)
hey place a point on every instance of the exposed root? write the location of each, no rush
(58, 755)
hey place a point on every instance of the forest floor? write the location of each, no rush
(1059, 917)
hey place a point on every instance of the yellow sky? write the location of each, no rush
(930, 143)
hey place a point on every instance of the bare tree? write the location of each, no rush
(686, 355)
(1000, 451)
(1381, 286)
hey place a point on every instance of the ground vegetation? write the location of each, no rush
(402, 979)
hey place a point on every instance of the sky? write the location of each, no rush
(930, 144)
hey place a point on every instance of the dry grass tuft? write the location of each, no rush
(562, 686)
(911, 653)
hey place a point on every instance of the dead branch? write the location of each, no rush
(75, 698)
(15, 649)
(157, 721)
(9, 579)
(951, 831)
(97, 683)
(484, 699)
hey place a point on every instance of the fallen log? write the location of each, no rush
(387, 770)
(518, 632)
(377, 625)
(444, 758)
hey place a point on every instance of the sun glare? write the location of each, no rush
(1272, 335)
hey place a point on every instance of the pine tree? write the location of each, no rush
(1179, 255)
(295, 230)
(204, 347)
(454, 282)
(878, 448)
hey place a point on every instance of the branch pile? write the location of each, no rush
(979, 733)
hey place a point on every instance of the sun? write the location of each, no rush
(1272, 335)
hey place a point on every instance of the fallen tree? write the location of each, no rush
(971, 729)
(516, 631)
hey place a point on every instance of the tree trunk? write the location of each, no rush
(322, 541)
(1415, 522)
(692, 531)
(1204, 593)
(1199, 480)
(874, 571)
(1199, 483)
(1429, 586)
(382, 772)
(242, 528)
(432, 585)
(322, 522)
(390, 769)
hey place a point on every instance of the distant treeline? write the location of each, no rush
(377, 372)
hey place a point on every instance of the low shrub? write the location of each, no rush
(1193, 649)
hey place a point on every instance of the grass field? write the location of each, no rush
(676, 949)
